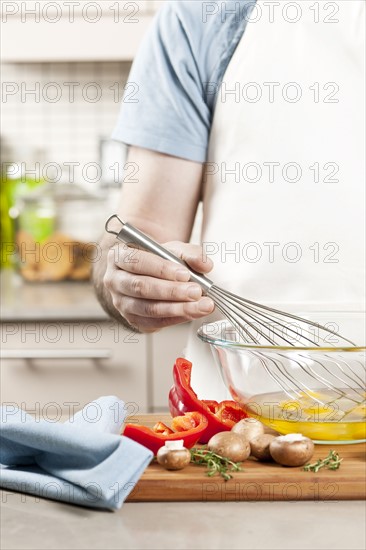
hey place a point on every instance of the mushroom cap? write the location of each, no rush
(291, 449)
(249, 428)
(175, 459)
(260, 447)
(230, 445)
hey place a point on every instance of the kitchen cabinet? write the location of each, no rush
(74, 31)
(166, 346)
(54, 368)
(63, 352)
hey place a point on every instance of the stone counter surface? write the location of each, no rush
(64, 301)
(27, 523)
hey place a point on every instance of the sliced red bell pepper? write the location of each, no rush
(212, 405)
(229, 412)
(153, 439)
(163, 429)
(182, 399)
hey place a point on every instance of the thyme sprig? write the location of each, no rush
(215, 463)
(331, 462)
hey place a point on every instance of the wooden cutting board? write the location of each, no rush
(256, 481)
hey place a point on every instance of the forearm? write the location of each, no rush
(148, 293)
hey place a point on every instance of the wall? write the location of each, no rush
(65, 121)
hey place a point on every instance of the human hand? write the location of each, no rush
(151, 293)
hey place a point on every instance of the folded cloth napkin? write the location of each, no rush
(82, 461)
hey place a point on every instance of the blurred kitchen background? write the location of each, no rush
(63, 78)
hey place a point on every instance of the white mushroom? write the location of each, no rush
(230, 445)
(173, 455)
(291, 449)
(260, 447)
(249, 428)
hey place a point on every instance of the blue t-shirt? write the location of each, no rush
(173, 85)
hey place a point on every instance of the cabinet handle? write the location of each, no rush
(55, 354)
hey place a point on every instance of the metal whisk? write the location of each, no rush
(341, 378)
(256, 323)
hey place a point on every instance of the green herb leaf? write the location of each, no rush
(214, 463)
(331, 462)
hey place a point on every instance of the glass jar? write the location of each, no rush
(57, 230)
(15, 182)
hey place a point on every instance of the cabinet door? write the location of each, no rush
(167, 345)
(56, 368)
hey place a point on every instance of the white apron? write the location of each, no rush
(284, 194)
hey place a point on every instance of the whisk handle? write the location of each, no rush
(132, 236)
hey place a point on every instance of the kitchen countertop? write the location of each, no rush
(22, 301)
(28, 523)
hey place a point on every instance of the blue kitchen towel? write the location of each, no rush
(82, 461)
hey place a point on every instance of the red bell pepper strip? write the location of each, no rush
(212, 405)
(161, 428)
(153, 440)
(220, 416)
(229, 412)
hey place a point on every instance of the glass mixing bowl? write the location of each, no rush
(319, 392)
